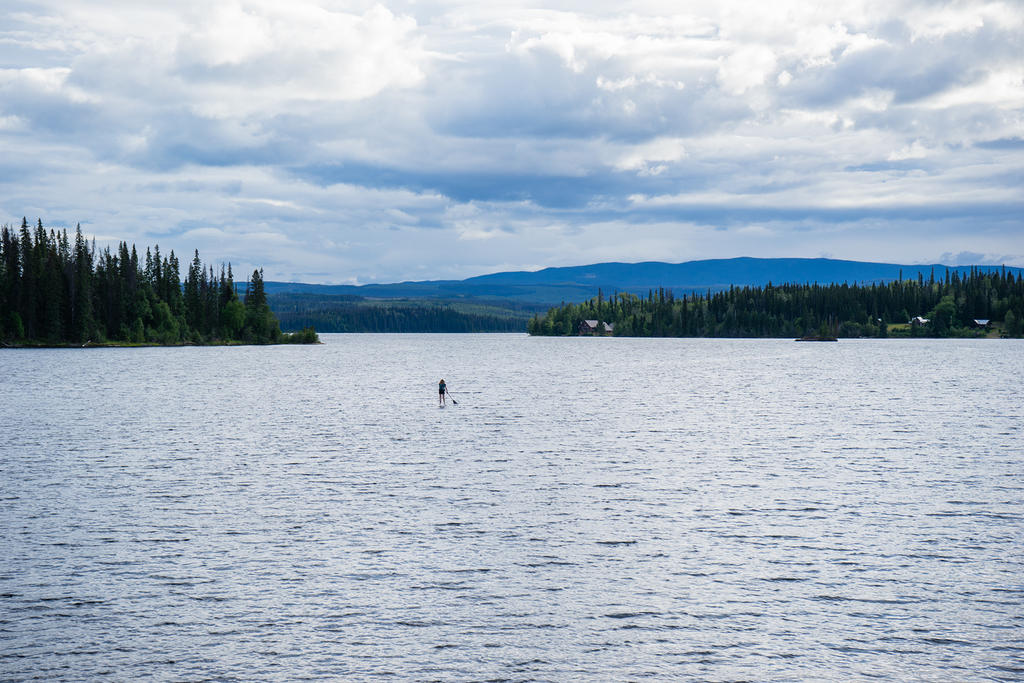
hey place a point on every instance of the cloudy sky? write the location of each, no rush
(345, 142)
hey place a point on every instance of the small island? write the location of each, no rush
(59, 291)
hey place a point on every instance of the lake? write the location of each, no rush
(592, 509)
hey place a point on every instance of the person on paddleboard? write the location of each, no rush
(441, 391)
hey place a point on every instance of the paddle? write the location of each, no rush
(450, 396)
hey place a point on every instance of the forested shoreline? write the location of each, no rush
(60, 290)
(56, 290)
(945, 306)
(346, 313)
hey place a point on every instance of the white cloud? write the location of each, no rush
(301, 51)
(390, 140)
(644, 158)
(929, 21)
(915, 150)
(45, 81)
(756, 231)
(12, 123)
(1003, 88)
(745, 68)
(237, 57)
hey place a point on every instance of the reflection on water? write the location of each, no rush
(592, 508)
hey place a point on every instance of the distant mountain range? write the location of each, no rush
(579, 283)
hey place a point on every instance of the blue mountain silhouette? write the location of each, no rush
(578, 283)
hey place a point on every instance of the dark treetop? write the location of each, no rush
(55, 291)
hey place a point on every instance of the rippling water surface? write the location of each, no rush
(595, 509)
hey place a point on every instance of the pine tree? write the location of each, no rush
(1013, 324)
(193, 301)
(10, 286)
(52, 293)
(82, 321)
(27, 285)
(260, 324)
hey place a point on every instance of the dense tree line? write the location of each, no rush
(950, 303)
(60, 290)
(352, 314)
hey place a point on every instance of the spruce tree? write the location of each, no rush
(193, 300)
(261, 324)
(81, 290)
(10, 284)
(27, 284)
